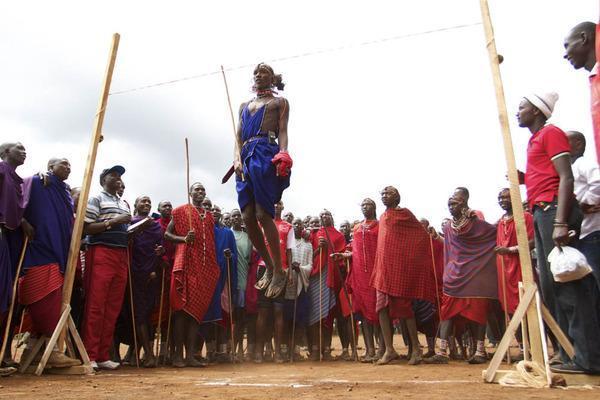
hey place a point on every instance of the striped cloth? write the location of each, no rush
(104, 207)
(39, 282)
(327, 298)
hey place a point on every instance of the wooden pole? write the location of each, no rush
(231, 322)
(160, 308)
(87, 180)
(506, 319)
(293, 338)
(187, 177)
(11, 307)
(135, 343)
(320, 304)
(351, 313)
(236, 139)
(515, 195)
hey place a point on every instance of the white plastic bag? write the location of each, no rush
(568, 264)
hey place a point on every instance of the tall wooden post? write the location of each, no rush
(515, 194)
(87, 180)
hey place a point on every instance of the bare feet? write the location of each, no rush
(388, 357)
(415, 357)
(437, 359)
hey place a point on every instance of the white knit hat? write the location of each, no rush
(543, 101)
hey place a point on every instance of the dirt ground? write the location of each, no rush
(300, 380)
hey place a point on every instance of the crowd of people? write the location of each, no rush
(192, 285)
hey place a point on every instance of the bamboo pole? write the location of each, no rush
(87, 181)
(506, 319)
(515, 194)
(11, 307)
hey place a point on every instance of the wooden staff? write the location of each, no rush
(13, 299)
(293, 338)
(135, 344)
(506, 319)
(437, 291)
(160, 307)
(231, 322)
(236, 139)
(187, 172)
(75, 245)
(351, 312)
(320, 304)
(515, 194)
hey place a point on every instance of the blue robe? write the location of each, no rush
(261, 184)
(224, 239)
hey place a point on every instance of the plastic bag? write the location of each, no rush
(568, 264)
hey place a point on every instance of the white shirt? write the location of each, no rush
(587, 190)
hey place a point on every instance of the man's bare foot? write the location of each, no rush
(149, 362)
(192, 362)
(437, 359)
(388, 357)
(415, 357)
(265, 280)
(368, 358)
(277, 285)
(178, 362)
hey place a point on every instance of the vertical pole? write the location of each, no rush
(87, 181)
(515, 194)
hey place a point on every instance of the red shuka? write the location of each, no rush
(323, 259)
(403, 262)
(506, 237)
(595, 97)
(364, 248)
(195, 269)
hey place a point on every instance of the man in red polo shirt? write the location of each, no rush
(549, 183)
(581, 50)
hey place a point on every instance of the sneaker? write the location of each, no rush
(94, 365)
(108, 365)
(568, 368)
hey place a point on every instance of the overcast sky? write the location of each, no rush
(418, 113)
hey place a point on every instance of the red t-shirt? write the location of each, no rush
(541, 179)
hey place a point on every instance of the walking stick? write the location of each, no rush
(160, 307)
(351, 312)
(437, 290)
(506, 319)
(231, 323)
(293, 338)
(13, 299)
(235, 136)
(135, 344)
(320, 304)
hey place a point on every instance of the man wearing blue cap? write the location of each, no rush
(106, 221)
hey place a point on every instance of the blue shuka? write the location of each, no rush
(224, 239)
(261, 184)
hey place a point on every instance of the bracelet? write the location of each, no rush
(560, 225)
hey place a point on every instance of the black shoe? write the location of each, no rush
(568, 368)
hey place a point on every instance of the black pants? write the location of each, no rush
(575, 305)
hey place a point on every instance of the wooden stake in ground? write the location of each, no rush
(13, 299)
(515, 194)
(351, 312)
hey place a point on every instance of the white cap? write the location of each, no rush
(543, 101)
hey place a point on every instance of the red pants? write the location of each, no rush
(105, 283)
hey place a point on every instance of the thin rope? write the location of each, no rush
(296, 56)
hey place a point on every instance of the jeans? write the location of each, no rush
(575, 305)
(590, 247)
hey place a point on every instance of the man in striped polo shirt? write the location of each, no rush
(106, 221)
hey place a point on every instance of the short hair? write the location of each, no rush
(55, 160)
(578, 136)
(587, 27)
(464, 191)
(4, 147)
(277, 79)
(195, 184)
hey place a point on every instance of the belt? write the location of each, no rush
(545, 205)
(255, 138)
